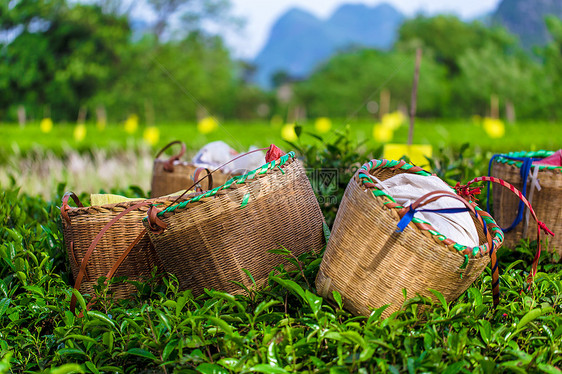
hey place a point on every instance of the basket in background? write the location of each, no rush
(172, 175)
(509, 211)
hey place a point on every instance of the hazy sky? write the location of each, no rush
(261, 14)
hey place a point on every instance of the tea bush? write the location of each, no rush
(282, 327)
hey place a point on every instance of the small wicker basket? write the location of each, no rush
(209, 240)
(547, 202)
(369, 263)
(82, 225)
(172, 175)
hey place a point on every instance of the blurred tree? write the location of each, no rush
(179, 78)
(552, 57)
(191, 14)
(65, 60)
(485, 72)
(346, 83)
(447, 37)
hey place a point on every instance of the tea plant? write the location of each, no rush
(282, 327)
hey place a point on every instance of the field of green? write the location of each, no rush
(240, 135)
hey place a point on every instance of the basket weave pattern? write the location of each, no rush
(547, 203)
(370, 263)
(212, 237)
(87, 222)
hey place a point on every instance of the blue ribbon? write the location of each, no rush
(407, 218)
(527, 163)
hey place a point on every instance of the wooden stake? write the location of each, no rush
(414, 95)
(82, 112)
(384, 106)
(494, 107)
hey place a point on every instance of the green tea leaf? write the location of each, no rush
(530, 316)
(207, 368)
(264, 368)
(142, 353)
(67, 369)
(4, 304)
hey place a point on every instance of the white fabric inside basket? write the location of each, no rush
(406, 188)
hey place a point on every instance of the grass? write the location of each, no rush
(240, 135)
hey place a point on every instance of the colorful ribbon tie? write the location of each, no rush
(467, 192)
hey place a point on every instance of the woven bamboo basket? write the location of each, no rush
(547, 202)
(81, 225)
(369, 263)
(210, 239)
(172, 175)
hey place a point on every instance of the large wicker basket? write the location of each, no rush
(172, 175)
(209, 240)
(369, 263)
(547, 202)
(81, 225)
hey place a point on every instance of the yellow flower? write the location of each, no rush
(207, 125)
(151, 135)
(288, 132)
(323, 125)
(494, 127)
(382, 133)
(393, 120)
(46, 125)
(80, 132)
(132, 124)
(417, 153)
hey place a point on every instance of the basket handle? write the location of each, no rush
(209, 176)
(157, 226)
(65, 207)
(407, 213)
(540, 225)
(93, 245)
(169, 164)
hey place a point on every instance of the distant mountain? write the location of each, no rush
(525, 18)
(299, 41)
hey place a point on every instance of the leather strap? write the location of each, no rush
(113, 270)
(155, 224)
(82, 271)
(169, 164)
(209, 176)
(65, 207)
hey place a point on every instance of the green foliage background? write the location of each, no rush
(65, 57)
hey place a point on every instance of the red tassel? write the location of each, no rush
(273, 153)
(466, 192)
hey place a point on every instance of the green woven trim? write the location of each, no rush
(536, 154)
(235, 180)
(364, 177)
